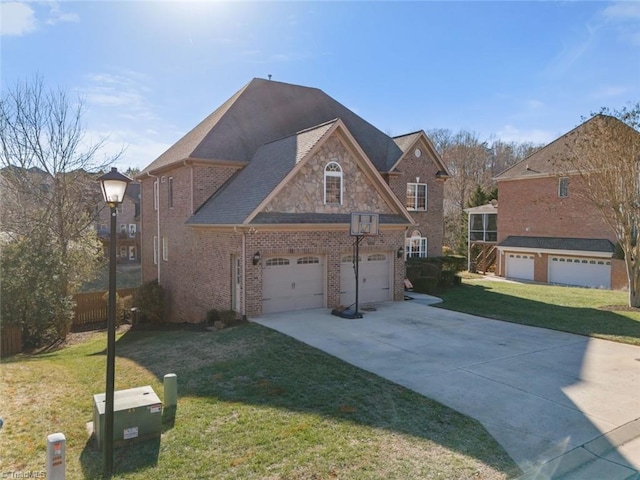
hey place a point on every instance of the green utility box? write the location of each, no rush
(137, 415)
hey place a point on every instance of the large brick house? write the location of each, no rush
(250, 210)
(547, 231)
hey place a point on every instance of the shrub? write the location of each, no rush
(213, 316)
(149, 299)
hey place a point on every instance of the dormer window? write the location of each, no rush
(333, 184)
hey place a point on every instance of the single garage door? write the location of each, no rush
(292, 283)
(374, 278)
(520, 266)
(583, 272)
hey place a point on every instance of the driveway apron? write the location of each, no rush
(561, 405)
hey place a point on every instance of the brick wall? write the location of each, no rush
(430, 222)
(331, 245)
(532, 207)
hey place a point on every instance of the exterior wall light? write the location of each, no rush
(400, 252)
(256, 258)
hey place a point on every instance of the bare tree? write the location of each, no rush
(48, 193)
(604, 157)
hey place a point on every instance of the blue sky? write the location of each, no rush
(150, 71)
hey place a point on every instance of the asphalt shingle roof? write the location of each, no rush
(264, 111)
(552, 243)
(242, 194)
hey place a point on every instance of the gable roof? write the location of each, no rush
(251, 185)
(545, 161)
(407, 141)
(250, 188)
(264, 111)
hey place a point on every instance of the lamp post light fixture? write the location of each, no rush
(114, 186)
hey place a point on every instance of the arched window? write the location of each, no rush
(333, 184)
(416, 245)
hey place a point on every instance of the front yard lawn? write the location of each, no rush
(585, 311)
(253, 404)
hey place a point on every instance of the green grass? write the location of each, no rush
(575, 310)
(253, 404)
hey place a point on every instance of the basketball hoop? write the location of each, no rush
(364, 224)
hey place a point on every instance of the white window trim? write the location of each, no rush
(155, 195)
(560, 180)
(422, 246)
(165, 249)
(170, 192)
(415, 200)
(155, 250)
(333, 174)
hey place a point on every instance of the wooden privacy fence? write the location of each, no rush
(11, 340)
(91, 307)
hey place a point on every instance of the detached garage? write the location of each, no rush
(584, 262)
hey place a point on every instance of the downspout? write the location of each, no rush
(156, 201)
(244, 276)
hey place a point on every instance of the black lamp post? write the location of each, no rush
(114, 185)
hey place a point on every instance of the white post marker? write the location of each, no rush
(56, 462)
(170, 390)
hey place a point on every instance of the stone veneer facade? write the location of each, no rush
(305, 192)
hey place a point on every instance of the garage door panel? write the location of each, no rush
(374, 279)
(292, 283)
(582, 272)
(520, 266)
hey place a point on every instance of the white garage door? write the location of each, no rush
(292, 283)
(583, 272)
(373, 275)
(520, 266)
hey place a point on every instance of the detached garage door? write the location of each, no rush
(583, 272)
(520, 266)
(374, 278)
(292, 283)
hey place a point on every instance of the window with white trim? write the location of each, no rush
(333, 184)
(170, 194)
(563, 187)
(416, 245)
(165, 249)
(416, 196)
(155, 250)
(155, 195)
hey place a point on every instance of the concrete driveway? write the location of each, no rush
(562, 405)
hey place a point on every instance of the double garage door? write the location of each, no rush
(298, 282)
(583, 272)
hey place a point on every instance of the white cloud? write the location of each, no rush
(20, 18)
(510, 133)
(16, 18)
(623, 11)
(125, 91)
(609, 91)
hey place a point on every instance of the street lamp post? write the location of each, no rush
(114, 185)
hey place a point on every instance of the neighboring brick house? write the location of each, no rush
(549, 233)
(250, 210)
(128, 226)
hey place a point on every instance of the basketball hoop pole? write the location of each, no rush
(357, 268)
